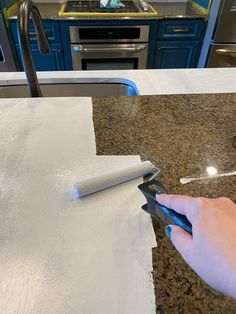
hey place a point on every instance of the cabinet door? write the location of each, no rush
(53, 61)
(176, 54)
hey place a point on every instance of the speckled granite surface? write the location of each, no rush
(182, 134)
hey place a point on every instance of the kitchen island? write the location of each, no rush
(182, 134)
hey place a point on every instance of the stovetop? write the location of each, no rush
(94, 6)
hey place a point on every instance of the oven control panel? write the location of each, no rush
(103, 34)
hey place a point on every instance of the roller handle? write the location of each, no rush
(169, 216)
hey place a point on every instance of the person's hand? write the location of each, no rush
(211, 249)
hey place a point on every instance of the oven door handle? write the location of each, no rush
(227, 52)
(136, 49)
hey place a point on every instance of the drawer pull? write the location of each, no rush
(180, 30)
(47, 31)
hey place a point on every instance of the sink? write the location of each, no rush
(72, 88)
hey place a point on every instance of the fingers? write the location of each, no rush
(182, 204)
(181, 240)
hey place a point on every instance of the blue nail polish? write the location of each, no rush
(168, 231)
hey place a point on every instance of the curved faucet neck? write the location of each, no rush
(27, 9)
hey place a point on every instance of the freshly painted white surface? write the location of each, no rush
(148, 82)
(60, 254)
(106, 180)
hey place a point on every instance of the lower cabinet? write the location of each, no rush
(176, 54)
(53, 61)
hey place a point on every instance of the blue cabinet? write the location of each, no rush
(52, 30)
(173, 43)
(53, 61)
(178, 43)
(175, 54)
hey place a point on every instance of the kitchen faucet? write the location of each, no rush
(27, 9)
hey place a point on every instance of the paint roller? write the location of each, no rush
(94, 184)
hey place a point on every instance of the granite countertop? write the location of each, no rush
(176, 10)
(182, 134)
(165, 10)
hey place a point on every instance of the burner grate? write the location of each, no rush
(94, 6)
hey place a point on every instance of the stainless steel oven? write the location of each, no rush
(223, 46)
(109, 48)
(7, 63)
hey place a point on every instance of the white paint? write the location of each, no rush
(92, 184)
(59, 254)
(148, 82)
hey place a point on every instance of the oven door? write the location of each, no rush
(222, 56)
(109, 56)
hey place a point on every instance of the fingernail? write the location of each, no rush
(168, 231)
(159, 194)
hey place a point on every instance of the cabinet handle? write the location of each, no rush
(35, 33)
(180, 30)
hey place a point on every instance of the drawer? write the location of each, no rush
(52, 30)
(181, 29)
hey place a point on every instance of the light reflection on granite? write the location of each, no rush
(182, 134)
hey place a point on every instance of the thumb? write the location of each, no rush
(181, 240)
